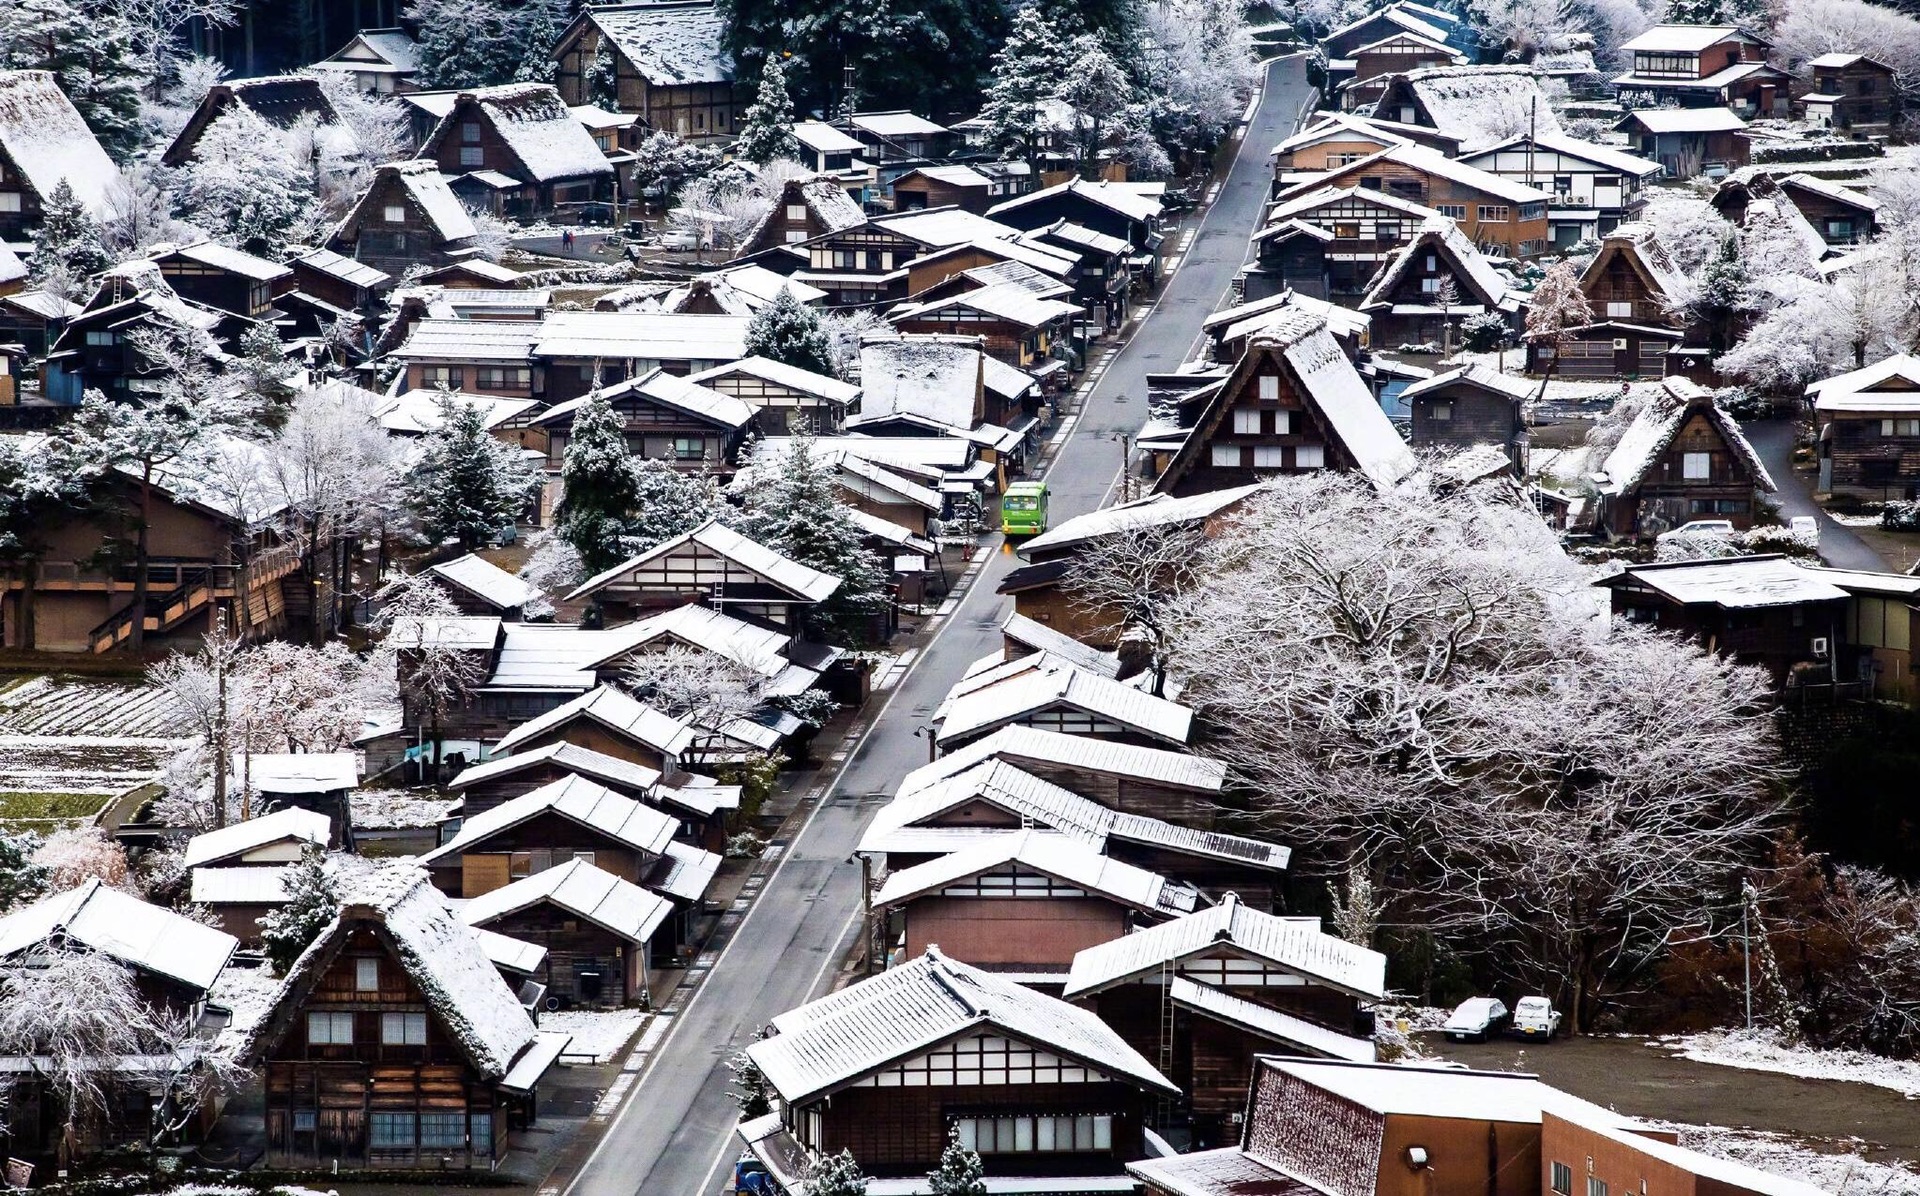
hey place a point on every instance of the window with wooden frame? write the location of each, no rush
(403, 1029)
(1562, 1178)
(366, 974)
(327, 1027)
(1245, 422)
(1696, 467)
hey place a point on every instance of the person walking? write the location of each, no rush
(566, 242)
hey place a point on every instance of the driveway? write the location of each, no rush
(1839, 547)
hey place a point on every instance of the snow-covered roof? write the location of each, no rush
(471, 341)
(575, 758)
(1727, 1174)
(1684, 120)
(1736, 583)
(239, 886)
(128, 929)
(1480, 105)
(669, 390)
(1662, 414)
(44, 135)
(1010, 301)
(1063, 857)
(669, 44)
(1041, 637)
(686, 872)
(654, 336)
(823, 138)
(1242, 321)
(1079, 752)
(1608, 156)
(298, 772)
(899, 123)
(1269, 1023)
(802, 581)
(536, 128)
(1442, 233)
(1681, 39)
(1395, 1089)
(1433, 162)
(1511, 385)
(946, 226)
(515, 955)
(574, 798)
(233, 261)
(781, 374)
(826, 1044)
(1841, 61)
(291, 824)
(1406, 16)
(935, 377)
(1827, 189)
(583, 890)
(417, 412)
(392, 46)
(1328, 126)
(902, 825)
(1112, 196)
(761, 649)
(427, 188)
(1055, 682)
(617, 711)
(1153, 511)
(486, 581)
(1341, 395)
(1642, 241)
(1296, 945)
(1866, 390)
(1227, 1171)
(344, 268)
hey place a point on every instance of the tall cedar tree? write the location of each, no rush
(468, 485)
(90, 48)
(312, 903)
(67, 237)
(601, 492)
(669, 503)
(791, 333)
(1027, 71)
(793, 507)
(22, 878)
(766, 129)
(923, 54)
(541, 24)
(477, 43)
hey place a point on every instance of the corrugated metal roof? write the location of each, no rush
(239, 886)
(616, 710)
(582, 889)
(1269, 1023)
(128, 929)
(344, 268)
(1055, 682)
(304, 826)
(803, 581)
(515, 955)
(1010, 301)
(1294, 944)
(576, 799)
(646, 336)
(1062, 857)
(233, 261)
(471, 340)
(1042, 638)
(896, 1015)
(1016, 743)
(685, 872)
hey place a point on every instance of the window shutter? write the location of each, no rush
(482, 873)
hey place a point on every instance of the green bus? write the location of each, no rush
(1023, 510)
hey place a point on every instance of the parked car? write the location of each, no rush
(1535, 1017)
(1805, 525)
(680, 240)
(1702, 527)
(1476, 1020)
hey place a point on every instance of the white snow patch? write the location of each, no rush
(1841, 1171)
(1762, 1050)
(599, 1033)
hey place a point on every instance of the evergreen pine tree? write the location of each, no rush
(793, 507)
(766, 129)
(90, 48)
(312, 903)
(959, 1173)
(1027, 71)
(600, 489)
(749, 1089)
(668, 503)
(468, 43)
(261, 367)
(603, 80)
(791, 333)
(1724, 290)
(67, 237)
(836, 1175)
(540, 24)
(468, 485)
(21, 879)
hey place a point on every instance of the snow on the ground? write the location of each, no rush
(1420, 1019)
(396, 809)
(1841, 1171)
(1762, 1050)
(1854, 520)
(95, 709)
(80, 764)
(596, 1032)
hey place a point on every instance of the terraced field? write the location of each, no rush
(67, 744)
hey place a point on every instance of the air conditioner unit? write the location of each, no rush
(1619, 342)
(1819, 647)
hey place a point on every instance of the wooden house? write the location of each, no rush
(1855, 94)
(1436, 280)
(597, 930)
(282, 101)
(1633, 290)
(1868, 427)
(1496, 214)
(1688, 142)
(1331, 243)
(491, 359)
(34, 320)
(1703, 66)
(1028, 249)
(394, 1043)
(98, 347)
(407, 217)
(1019, 323)
(1842, 215)
(524, 132)
(1105, 207)
(380, 61)
(1334, 139)
(270, 840)
(477, 586)
(494, 782)
(896, 136)
(212, 275)
(1469, 406)
(1021, 904)
(1479, 105)
(670, 66)
(1680, 458)
(1051, 693)
(808, 208)
(43, 143)
(564, 744)
(866, 263)
(238, 899)
(333, 278)
(683, 423)
(1213, 989)
(1763, 610)
(826, 150)
(1104, 280)
(714, 565)
(578, 349)
(890, 1066)
(786, 400)
(1376, 63)
(957, 185)
(1293, 404)
(1592, 186)
(1431, 25)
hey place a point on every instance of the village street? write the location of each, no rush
(675, 1136)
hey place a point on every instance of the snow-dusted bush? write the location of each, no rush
(77, 855)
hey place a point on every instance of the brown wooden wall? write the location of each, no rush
(990, 931)
(901, 1131)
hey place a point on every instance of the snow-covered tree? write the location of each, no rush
(1558, 307)
(67, 237)
(187, 82)
(1388, 671)
(468, 486)
(158, 26)
(1354, 908)
(749, 1088)
(667, 502)
(1523, 28)
(312, 904)
(378, 124)
(22, 879)
(1198, 61)
(792, 505)
(706, 687)
(139, 214)
(1027, 70)
(1099, 99)
(600, 493)
(766, 128)
(836, 1175)
(93, 53)
(540, 24)
(467, 43)
(492, 236)
(959, 1172)
(1133, 582)
(603, 77)
(553, 565)
(789, 332)
(75, 855)
(1810, 28)
(662, 162)
(435, 678)
(244, 185)
(845, 330)
(205, 689)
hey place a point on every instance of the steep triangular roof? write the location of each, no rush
(1481, 105)
(535, 126)
(1480, 281)
(717, 539)
(1661, 416)
(1639, 246)
(42, 132)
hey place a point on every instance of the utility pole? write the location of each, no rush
(1746, 954)
(1126, 464)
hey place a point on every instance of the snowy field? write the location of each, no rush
(1840, 1173)
(599, 1033)
(1761, 1050)
(66, 741)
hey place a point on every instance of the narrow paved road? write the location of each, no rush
(1839, 547)
(675, 1135)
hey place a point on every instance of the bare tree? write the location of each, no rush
(436, 677)
(1558, 307)
(1135, 580)
(703, 686)
(204, 688)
